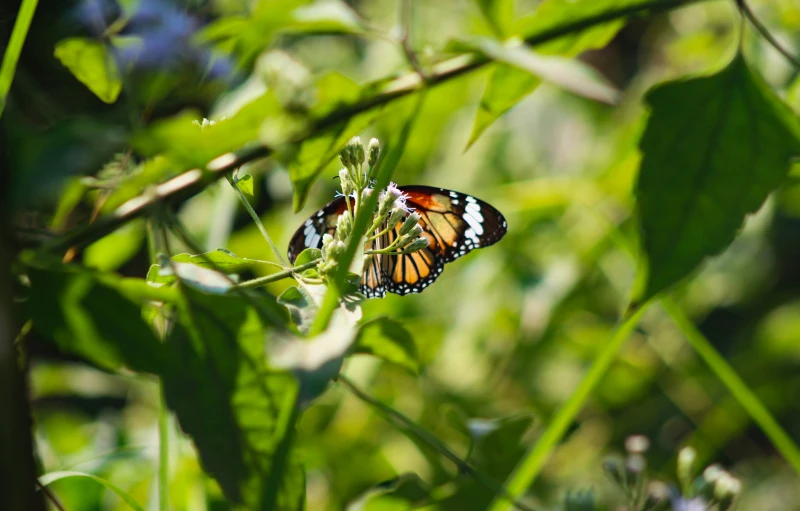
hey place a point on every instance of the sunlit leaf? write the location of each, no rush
(388, 339)
(93, 318)
(713, 149)
(508, 85)
(499, 14)
(237, 411)
(326, 16)
(118, 247)
(245, 184)
(90, 62)
(569, 74)
(51, 477)
(398, 494)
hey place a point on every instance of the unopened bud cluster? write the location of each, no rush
(356, 176)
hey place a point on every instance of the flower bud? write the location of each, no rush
(335, 250)
(345, 181)
(410, 222)
(344, 157)
(726, 489)
(395, 217)
(687, 457)
(387, 200)
(612, 466)
(356, 151)
(327, 239)
(416, 245)
(637, 444)
(373, 152)
(344, 226)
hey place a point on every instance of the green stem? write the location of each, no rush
(257, 220)
(425, 436)
(14, 48)
(163, 451)
(273, 277)
(737, 387)
(531, 464)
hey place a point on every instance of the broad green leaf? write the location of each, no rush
(94, 318)
(245, 184)
(499, 14)
(52, 477)
(713, 149)
(90, 62)
(237, 410)
(569, 74)
(508, 84)
(115, 249)
(388, 339)
(220, 259)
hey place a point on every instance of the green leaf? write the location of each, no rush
(52, 477)
(508, 85)
(90, 62)
(326, 16)
(239, 413)
(398, 494)
(95, 319)
(308, 255)
(317, 153)
(388, 339)
(115, 249)
(245, 184)
(220, 259)
(499, 14)
(713, 149)
(569, 74)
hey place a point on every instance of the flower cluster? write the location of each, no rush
(715, 487)
(356, 179)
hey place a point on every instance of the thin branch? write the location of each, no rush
(257, 220)
(407, 20)
(273, 277)
(765, 33)
(50, 496)
(401, 420)
(194, 181)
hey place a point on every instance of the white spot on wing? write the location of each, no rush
(474, 223)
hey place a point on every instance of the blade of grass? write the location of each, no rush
(18, 35)
(531, 464)
(52, 477)
(737, 387)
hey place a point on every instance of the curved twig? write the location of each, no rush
(765, 33)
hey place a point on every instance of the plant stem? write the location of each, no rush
(531, 464)
(748, 13)
(163, 451)
(273, 277)
(399, 419)
(14, 48)
(737, 387)
(254, 216)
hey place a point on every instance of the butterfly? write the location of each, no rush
(454, 224)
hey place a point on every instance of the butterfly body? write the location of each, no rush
(453, 223)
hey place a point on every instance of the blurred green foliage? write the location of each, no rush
(681, 188)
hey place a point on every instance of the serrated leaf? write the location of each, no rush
(388, 339)
(713, 149)
(237, 411)
(90, 62)
(93, 318)
(571, 75)
(508, 85)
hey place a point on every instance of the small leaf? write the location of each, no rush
(52, 477)
(90, 62)
(388, 339)
(115, 249)
(326, 16)
(308, 255)
(93, 318)
(713, 149)
(569, 74)
(398, 494)
(245, 184)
